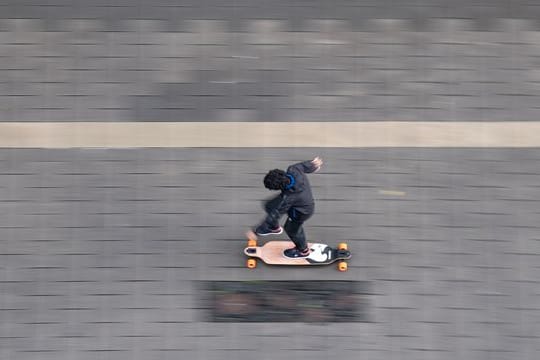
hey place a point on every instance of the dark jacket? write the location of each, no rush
(296, 198)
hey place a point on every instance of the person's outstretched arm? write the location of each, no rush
(274, 214)
(309, 166)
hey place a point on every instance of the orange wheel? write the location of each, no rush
(342, 266)
(342, 246)
(251, 263)
(252, 243)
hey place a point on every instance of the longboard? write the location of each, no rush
(272, 253)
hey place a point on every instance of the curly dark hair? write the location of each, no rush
(276, 180)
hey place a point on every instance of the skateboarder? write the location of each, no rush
(295, 200)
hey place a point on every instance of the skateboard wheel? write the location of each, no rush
(342, 246)
(342, 266)
(251, 263)
(252, 243)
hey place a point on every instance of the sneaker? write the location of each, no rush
(276, 231)
(294, 253)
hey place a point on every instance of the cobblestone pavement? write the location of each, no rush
(269, 61)
(99, 251)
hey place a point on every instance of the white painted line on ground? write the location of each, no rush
(392, 192)
(269, 134)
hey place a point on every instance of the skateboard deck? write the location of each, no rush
(321, 254)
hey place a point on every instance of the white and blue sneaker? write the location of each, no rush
(264, 232)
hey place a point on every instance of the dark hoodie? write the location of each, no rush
(296, 197)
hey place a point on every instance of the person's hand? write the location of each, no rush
(317, 163)
(251, 235)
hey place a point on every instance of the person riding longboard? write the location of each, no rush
(295, 200)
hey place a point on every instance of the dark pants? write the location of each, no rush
(293, 226)
(294, 229)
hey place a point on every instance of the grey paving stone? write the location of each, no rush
(443, 61)
(99, 250)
